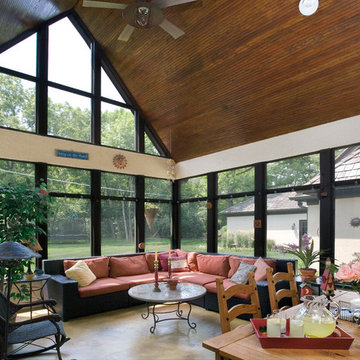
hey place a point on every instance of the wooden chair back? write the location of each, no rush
(227, 315)
(276, 295)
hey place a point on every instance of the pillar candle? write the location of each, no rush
(169, 251)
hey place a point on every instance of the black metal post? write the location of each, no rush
(175, 216)
(327, 206)
(140, 208)
(95, 212)
(260, 210)
(212, 212)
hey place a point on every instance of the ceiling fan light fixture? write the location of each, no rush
(308, 7)
(143, 15)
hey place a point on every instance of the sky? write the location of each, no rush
(69, 64)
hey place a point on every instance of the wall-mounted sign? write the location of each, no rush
(72, 154)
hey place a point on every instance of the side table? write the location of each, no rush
(43, 279)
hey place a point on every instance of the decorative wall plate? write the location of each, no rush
(119, 161)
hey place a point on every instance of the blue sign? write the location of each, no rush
(72, 155)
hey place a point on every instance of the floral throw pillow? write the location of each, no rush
(241, 274)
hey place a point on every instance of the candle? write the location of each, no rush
(169, 252)
(273, 327)
(296, 328)
(155, 253)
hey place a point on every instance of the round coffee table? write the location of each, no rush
(184, 293)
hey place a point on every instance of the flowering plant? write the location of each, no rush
(350, 274)
(305, 253)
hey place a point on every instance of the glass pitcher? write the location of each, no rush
(318, 321)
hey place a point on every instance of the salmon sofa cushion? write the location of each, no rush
(103, 286)
(150, 258)
(99, 266)
(196, 277)
(213, 264)
(132, 265)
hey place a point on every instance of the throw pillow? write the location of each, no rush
(179, 264)
(81, 273)
(99, 266)
(261, 266)
(241, 275)
(163, 260)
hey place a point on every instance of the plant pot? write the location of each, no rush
(150, 215)
(308, 274)
(172, 284)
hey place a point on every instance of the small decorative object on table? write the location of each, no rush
(350, 274)
(172, 283)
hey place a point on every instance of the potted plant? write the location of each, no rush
(22, 212)
(306, 254)
(151, 211)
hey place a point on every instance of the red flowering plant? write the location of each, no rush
(306, 253)
(349, 274)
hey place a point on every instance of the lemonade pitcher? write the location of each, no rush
(319, 322)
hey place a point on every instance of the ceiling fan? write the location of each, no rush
(142, 14)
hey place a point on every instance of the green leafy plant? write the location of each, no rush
(22, 212)
(306, 254)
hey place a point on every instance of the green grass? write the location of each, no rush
(113, 247)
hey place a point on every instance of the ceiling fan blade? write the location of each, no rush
(126, 33)
(167, 3)
(105, 5)
(172, 29)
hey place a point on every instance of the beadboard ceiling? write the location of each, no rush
(244, 71)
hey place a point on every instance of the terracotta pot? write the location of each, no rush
(172, 283)
(308, 274)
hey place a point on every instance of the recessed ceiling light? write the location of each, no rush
(308, 7)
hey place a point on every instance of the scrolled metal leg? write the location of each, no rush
(145, 316)
(178, 311)
(156, 319)
(192, 325)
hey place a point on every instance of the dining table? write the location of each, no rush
(242, 343)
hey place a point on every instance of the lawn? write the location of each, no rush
(112, 247)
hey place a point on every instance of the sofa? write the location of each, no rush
(114, 275)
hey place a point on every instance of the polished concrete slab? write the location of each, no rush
(123, 334)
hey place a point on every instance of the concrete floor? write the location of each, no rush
(123, 334)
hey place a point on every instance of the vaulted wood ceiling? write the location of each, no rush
(243, 72)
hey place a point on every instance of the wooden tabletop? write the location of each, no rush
(242, 344)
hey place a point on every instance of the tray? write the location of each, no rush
(339, 339)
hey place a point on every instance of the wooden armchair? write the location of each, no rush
(31, 333)
(226, 315)
(276, 295)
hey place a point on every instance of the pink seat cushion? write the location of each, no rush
(192, 261)
(132, 265)
(102, 286)
(213, 264)
(211, 287)
(99, 266)
(150, 258)
(196, 277)
(133, 280)
(235, 261)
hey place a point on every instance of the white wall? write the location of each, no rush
(15, 145)
(335, 134)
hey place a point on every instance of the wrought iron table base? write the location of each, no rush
(151, 309)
